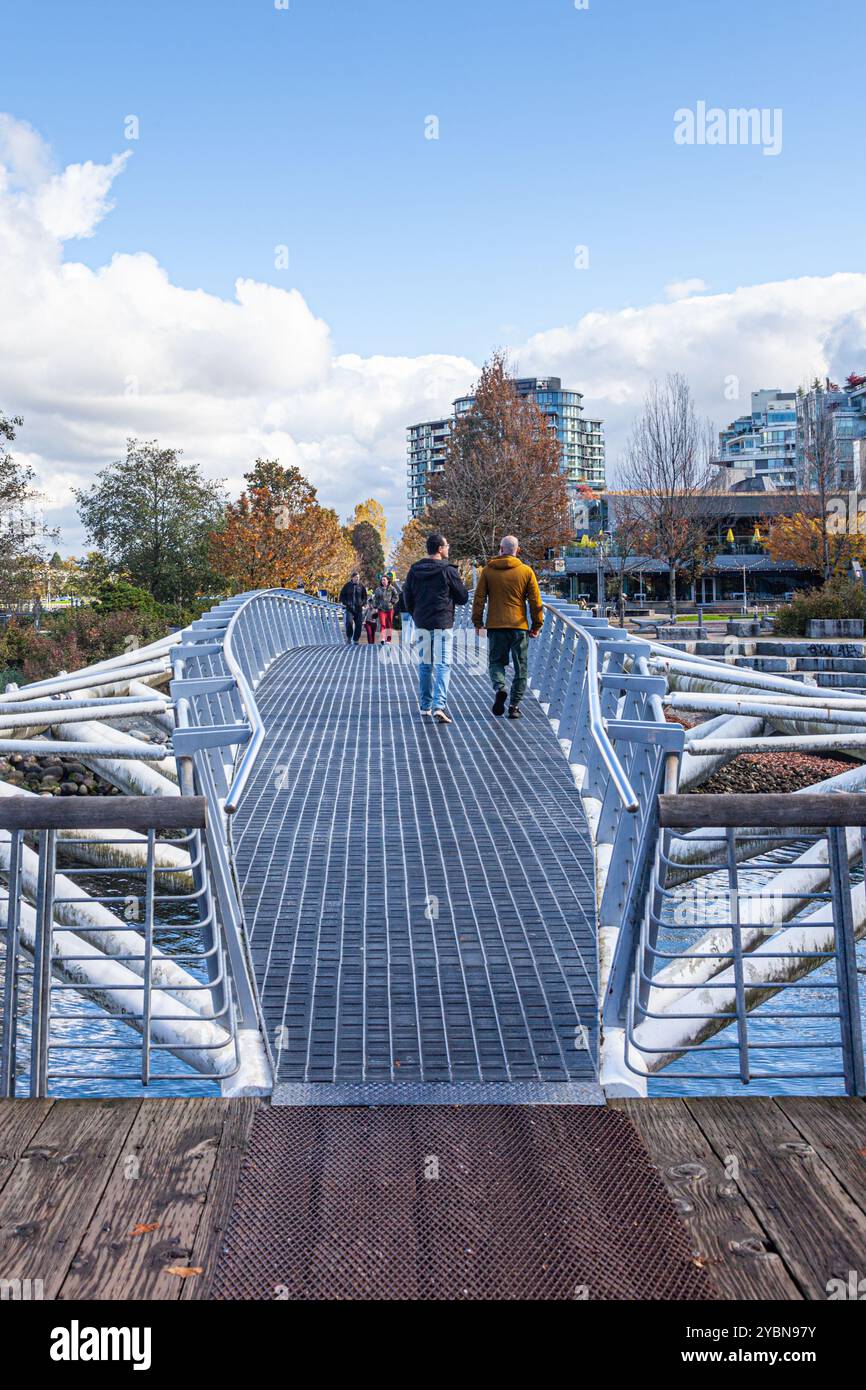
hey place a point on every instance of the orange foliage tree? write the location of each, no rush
(411, 546)
(503, 473)
(277, 534)
(802, 540)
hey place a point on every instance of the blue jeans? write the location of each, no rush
(433, 648)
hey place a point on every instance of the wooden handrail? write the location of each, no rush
(103, 812)
(757, 810)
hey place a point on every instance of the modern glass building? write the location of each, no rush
(426, 443)
(582, 440)
(846, 407)
(764, 444)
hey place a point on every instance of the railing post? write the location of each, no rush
(10, 988)
(637, 887)
(147, 993)
(41, 1023)
(737, 948)
(845, 944)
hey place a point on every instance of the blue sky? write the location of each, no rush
(139, 293)
(305, 127)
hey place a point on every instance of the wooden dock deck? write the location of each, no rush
(773, 1190)
(117, 1199)
(127, 1199)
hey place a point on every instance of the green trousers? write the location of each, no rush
(506, 644)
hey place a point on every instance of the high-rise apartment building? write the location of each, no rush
(764, 443)
(845, 409)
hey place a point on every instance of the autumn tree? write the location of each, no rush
(667, 469)
(411, 546)
(626, 546)
(278, 535)
(819, 452)
(372, 513)
(803, 541)
(502, 475)
(366, 542)
(151, 515)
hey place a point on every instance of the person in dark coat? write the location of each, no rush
(430, 593)
(371, 619)
(353, 596)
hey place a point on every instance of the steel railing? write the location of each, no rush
(218, 664)
(141, 944)
(52, 959)
(704, 961)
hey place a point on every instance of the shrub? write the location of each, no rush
(840, 597)
(72, 638)
(119, 596)
(10, 676)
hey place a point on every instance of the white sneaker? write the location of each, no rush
(422, 710)
(442, 717)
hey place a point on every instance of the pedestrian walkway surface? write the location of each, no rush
(419, 899)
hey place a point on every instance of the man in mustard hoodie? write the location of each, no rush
(507, 586)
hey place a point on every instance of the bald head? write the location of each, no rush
(508, 545)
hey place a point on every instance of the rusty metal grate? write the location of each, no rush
(453, 1202)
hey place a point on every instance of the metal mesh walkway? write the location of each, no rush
(420, 900)
(464, 1202)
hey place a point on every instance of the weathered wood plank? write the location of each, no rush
(760, 809)
(19, 1121)
(818, 1230)
(102, 812)
(49, 1197)
(835, 1126)
(726, 1231)
(162, 1178)
(237, 1122)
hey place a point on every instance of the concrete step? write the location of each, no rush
(831, 663)
(798, 646)
(782, 664)
(841, 680)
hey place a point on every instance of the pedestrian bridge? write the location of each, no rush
(328, 898)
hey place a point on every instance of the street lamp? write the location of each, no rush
(600, 556)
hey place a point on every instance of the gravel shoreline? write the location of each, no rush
(53, 775)
(773, 772)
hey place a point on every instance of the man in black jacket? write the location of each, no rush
(353, 596)
(432, 588)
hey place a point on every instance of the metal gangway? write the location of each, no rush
(299, 888)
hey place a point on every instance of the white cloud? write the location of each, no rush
(72, 204)
(682, 289)
(89, 357)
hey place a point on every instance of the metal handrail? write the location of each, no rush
(251, 709)
(257, 728)
(597, 723)
(816, 927)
